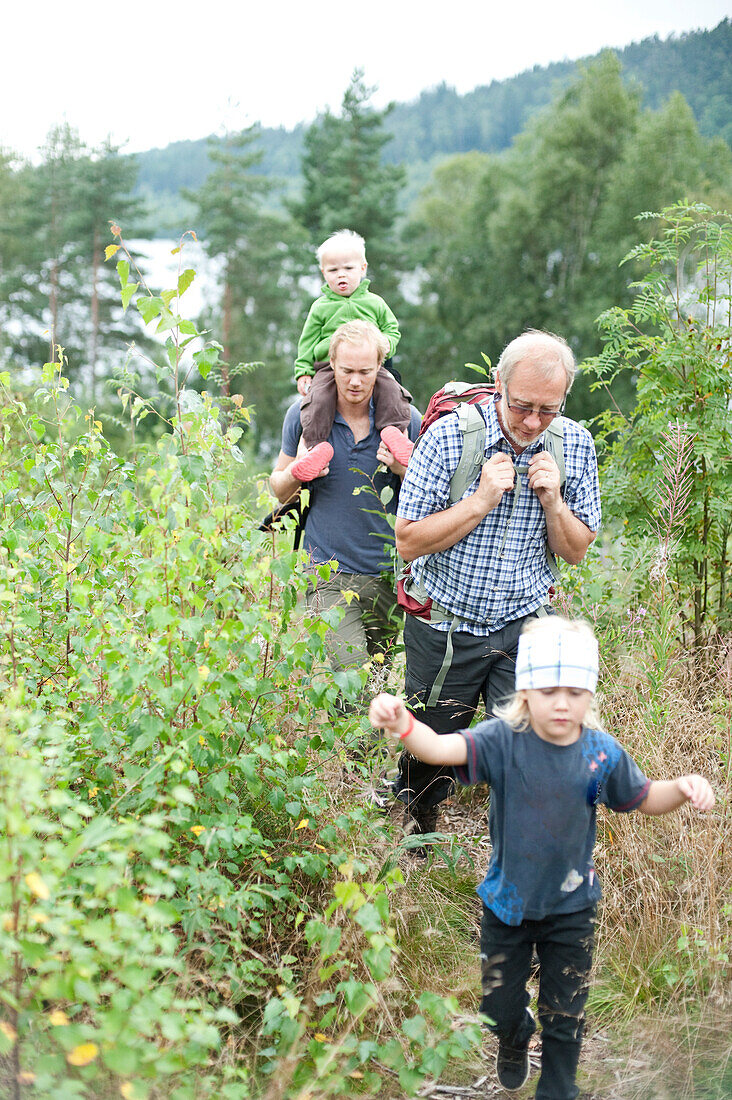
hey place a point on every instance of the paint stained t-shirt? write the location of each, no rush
(542, 814)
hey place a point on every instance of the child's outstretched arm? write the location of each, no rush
(389, 713)
(668, 794)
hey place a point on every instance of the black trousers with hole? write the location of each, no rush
(564, 945)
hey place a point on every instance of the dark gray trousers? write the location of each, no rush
(482, 670)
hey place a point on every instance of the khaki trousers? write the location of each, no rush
(371, 619)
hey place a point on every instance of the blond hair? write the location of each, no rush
(346, 239)
(360, 332)
(515, 711)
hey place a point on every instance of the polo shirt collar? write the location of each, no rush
(372, 413)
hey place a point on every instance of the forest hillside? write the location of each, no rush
(524, 194)
(441, 121)
(199, 898)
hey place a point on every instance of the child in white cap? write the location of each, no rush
(548, 766)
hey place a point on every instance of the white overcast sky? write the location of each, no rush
(146, 74)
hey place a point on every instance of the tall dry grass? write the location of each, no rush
(663, 975)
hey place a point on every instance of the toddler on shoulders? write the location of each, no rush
(345, 297)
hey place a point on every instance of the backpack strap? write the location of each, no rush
(472, 429)
(295, 508)
(554, 443)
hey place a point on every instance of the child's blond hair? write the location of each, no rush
(516, 710)
(345, 239)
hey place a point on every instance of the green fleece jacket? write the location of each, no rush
(331, 310)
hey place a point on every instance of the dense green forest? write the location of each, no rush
(441, 122)
(516, 209)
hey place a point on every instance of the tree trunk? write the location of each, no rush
(53, 304)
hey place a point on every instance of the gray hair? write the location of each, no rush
(544, 350)
(344, 238)
(360, 332)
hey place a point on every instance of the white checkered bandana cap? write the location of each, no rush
(564, 659)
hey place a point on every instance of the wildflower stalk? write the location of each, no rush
(673, 502)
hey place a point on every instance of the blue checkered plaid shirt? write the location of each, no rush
(498, 573)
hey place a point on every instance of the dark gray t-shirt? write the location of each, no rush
(352, 529)
(542, 814)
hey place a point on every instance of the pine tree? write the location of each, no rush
(260, 304)
(534, 237)
(55, 288)
(347, 185)
(40, 284)
(103, 192)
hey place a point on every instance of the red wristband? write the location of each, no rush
(409, 728)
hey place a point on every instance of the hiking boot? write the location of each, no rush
(512, 1065)
(312, 463)
(398, 444)
(420, 819)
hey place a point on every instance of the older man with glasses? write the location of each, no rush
(482, 561)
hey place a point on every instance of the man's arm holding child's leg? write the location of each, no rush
(281, 482)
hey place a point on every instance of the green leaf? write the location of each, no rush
(121, 1059)
(183, 794)
(150, 308)
(410, 1079)
(127, 293)
(415, 1028)
(167, 320)
(185, 279)
(207, 358)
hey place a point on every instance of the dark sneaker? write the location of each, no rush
(512, 1065)
(424, 817)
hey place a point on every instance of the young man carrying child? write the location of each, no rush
(548, 765)
(345, 297)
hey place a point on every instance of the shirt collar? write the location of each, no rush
(372, 413)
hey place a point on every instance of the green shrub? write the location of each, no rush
(172, 844)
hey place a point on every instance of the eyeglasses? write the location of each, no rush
(529, 410)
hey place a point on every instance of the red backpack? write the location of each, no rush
(452, 394)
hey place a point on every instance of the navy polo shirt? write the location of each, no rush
(346, 520)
